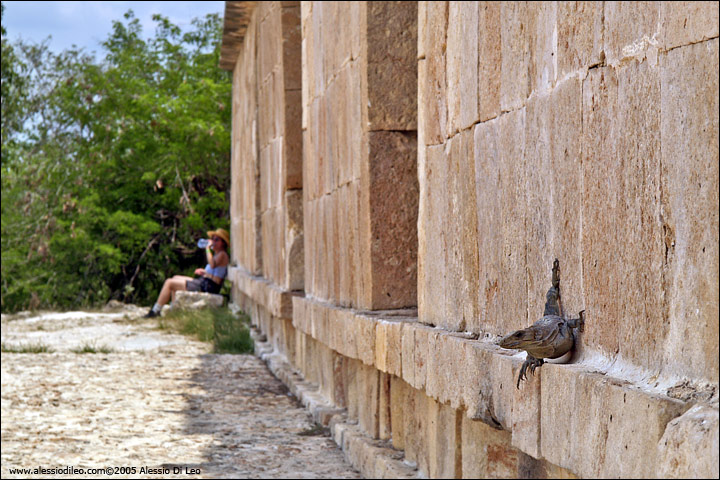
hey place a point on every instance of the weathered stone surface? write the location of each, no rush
(432, 85)
(613, 430)
(291, 48)
(543, 45)
(602, 206)
(553, 182)
(388, 347)
(689, 446)
(432, 219)
(384, 404)
(416, 428)
(579, 36)
(398, 394)
(488, 390)
(486, 452)
(630, 28)
(245, 192)
(393, 201)
(500, 183)
(444, 441)
(616, 102)
(516, 27)
(292, 147)
(489, 60)
(525, 418)
(689, 131)
(391, 65)
(193, 300)
(683, 23)
(462, 66)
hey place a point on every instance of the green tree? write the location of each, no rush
(124, 163)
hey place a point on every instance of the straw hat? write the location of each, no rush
(222, 233)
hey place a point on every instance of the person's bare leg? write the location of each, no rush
(170, 286)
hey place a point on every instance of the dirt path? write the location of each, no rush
(158, 401)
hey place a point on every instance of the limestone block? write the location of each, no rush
(435, 364)
(269, 30)
(317, 81)
(629, 295)
(432, 88)
(391, 65)
(500, 182)
(417, 428)
(516, 26)
(488, 390)
(445, 379)
(529, 467)
(300, 314)
(486, 452)
(579, 35)
(543, 44)
(291, 48)
(292, 146)
(432, 217)
(490, 60)
(553, 129)
(422, 29)
(461, 235)
(689, 132)
(344, 256)
(612, 430)
(363, 394)
(185, 300)
(364, 328)
(294, 246)
(689, 446)
(398, 394)
(393, 200)
(388, 346)
(421, 355)
(526, 405)
(384, 404)
(408, 354)
(462, 66)
(683, 23)
(630, 28)
(641, 281)
(322, 313)
(350, 343)
(444, 441)
(602, 208)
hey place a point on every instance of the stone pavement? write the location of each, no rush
(159, 401)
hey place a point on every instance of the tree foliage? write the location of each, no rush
(111, 168)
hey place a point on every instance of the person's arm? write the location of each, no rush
(209, 256)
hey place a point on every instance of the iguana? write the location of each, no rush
(550, 337)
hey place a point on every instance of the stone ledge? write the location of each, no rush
(194, 300)
(373, 458)
(274, 298)
(549, 416)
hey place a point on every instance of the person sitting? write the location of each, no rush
(211, 277)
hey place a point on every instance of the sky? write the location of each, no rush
(86, 24)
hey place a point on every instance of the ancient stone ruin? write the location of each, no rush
(404, 174)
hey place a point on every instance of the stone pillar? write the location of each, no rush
(360, 196)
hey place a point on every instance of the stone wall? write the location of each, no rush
(451, 151)
(360, 144)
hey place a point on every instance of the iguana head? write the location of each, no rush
(517, 339)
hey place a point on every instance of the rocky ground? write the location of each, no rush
(156, 400)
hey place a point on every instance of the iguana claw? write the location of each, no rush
(532, 363)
